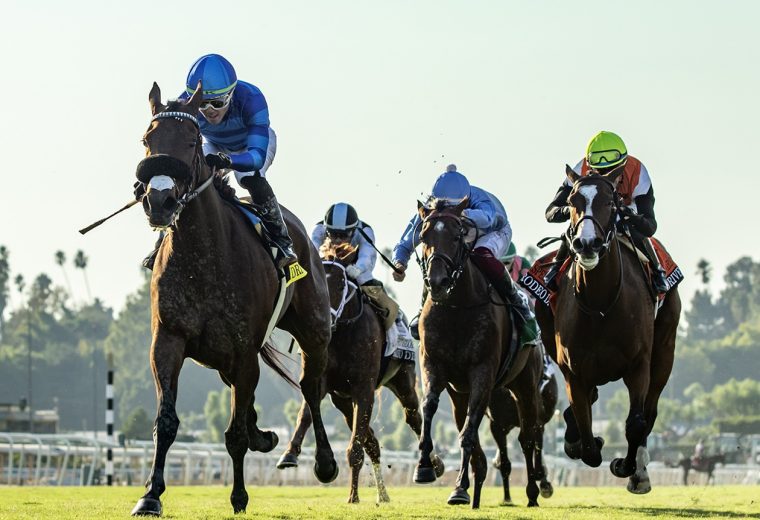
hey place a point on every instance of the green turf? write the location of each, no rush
(416, 502)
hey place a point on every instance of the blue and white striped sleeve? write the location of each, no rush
(256, 118)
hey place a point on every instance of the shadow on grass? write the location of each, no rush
(689, 512)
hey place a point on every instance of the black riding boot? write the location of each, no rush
(150, 260)
(263, 197)
(550, 278)
(659, 281)
(528, 329)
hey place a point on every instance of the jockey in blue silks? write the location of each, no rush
(234, 124)
(495, 235)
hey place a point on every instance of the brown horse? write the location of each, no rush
(213, 297)
(704, 464)
(505, 416)
(465, 339)
(605, 329)
(354, 372)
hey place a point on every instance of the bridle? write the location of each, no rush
(349, 290)
(194, 189)
(609, 233)
(455, 265)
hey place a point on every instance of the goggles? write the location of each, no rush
(216, 103)
(340, 234)
(605, 158)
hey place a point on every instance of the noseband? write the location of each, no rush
(194, 191)
(350, 289)
(454, 266)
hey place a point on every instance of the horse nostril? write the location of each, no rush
(577, 244)
(597, 244)
(170, 203)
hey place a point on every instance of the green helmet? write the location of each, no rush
(606, 150)
(510, 254)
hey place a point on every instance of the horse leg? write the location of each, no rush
(404, 387)
(313, 364)
(236, 436)
(500, 427)
(258, 440)
(166, 357)
(525, 388)
(372, 447)
(471, 408)
(579, 396)
(289, 459)
(636, 429)
(425, 471)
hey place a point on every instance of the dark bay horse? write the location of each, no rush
(605, 329)
(505, 416)
(465, 334)
(353, 371)
(213, 296)
(705, 464)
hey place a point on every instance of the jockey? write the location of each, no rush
(234, 123)
(516, 265)
(495, 233)
(605, 153)
(342, 225)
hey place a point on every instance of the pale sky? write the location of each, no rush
(371, 100)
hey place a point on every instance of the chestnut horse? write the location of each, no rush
(213, 296)
(465, 335)
(353, 371)
(605, 329)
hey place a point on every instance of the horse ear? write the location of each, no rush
(422, 210)
(194, 102)
(572, 176)
(462, 205)
(154, 98)
(614, 175)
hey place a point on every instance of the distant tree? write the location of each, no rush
(217, 412)
(531, 253)
(80, 262)
(5, 274)
(704, 270)
(138, 425)
(741, 295)
(290, 411)
(60, 259)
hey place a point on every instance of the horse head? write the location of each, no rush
(173, 166)
(594, 204)
(335, 258)
(445, 236)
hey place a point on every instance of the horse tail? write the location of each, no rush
(273, 358)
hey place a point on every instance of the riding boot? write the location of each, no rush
(528, 329)
(271, 216)
(550, 278)
(659, 281)
(150, 260)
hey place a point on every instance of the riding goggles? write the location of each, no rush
(340, 234)
(605, 158)
(216, 103)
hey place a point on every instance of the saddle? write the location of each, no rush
(533, 279)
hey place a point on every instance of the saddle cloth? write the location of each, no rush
(533, 279)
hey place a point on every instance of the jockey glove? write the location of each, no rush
(139, 190)
(219, 161)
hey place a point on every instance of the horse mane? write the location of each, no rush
(337, 252)
(226, 191)
(435, 204)
(174, 105)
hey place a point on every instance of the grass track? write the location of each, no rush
(182, 502)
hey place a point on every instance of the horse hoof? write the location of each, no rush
(573, 449)
(506, 503)
(638, 486)
(147, 506)
(326, 477)
(287, 460)
(424, 475)
(438, 466)
(599, 442)
(593, 460)
(533, 503)
(459, 497)
(617, 467)
(547, 490)
(267, 442)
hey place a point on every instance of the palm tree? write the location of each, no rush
(704, 270)
(80, 262)
(60, 259)
(5, 273)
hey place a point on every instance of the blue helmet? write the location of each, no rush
(451, 186)
(217, 74)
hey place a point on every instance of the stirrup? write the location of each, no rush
(414, 327)
(150, 260)
(660, 282)
(550, 278)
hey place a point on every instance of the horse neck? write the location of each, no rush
(600, 285)
(199, 226)
(471, 287)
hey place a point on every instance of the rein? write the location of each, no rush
(454, 266)
(350, 289)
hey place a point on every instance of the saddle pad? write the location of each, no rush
(247, 210)
(399, 343)
(533, 279)
(514, 347)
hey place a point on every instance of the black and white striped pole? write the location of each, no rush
(109, 421)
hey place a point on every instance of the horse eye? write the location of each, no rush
(144, 142)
